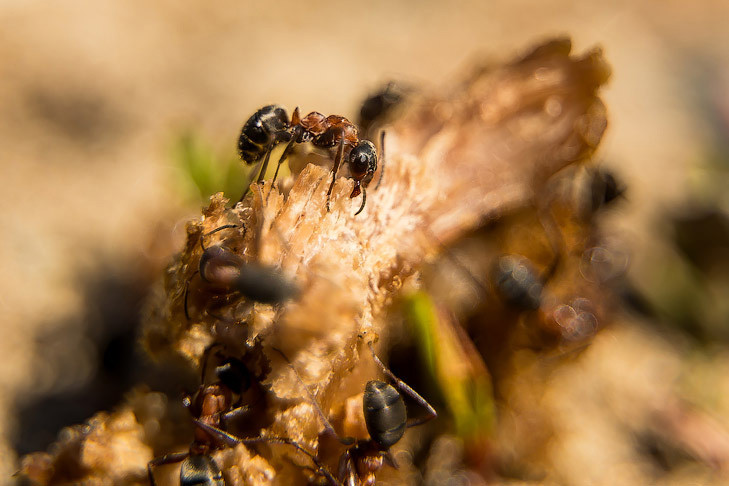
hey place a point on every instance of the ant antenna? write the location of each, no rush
(220, 228)
(382, 159)
(406, 389)
(347, 441)
(364, 200)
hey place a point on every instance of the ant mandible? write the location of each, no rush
(269, 126)
(225, 272)
(386, 420)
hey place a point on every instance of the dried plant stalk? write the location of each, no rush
(453, 160)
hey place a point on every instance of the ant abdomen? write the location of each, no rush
(200, 470)
(264, 129)
(385, 414)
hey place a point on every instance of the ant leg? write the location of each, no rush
(337, 163)
(262, 174)
(284, 156)
(250, 181)
(235, 412)
(382, 159)
(364, 200)
(263, 166)
(406, 388)
(327, 425)
(232, 441)
(161, 461)
(187, 291)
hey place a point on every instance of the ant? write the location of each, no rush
(518, 283)
(270, 126)
(378, 106)
(225, 272)
(211, 404)
(386, 420)
(211, 407)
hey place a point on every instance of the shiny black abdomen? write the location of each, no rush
(200, 470)
(385, 415)
(264, 129)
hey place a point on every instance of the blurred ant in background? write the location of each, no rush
(378, 106)
(224, 272)
(386, 420)
(269, 126)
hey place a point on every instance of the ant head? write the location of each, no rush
(219, 266)
(234, 374)
(363, 160)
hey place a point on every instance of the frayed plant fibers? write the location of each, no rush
(455, 160)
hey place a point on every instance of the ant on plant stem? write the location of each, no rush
(270, 126)
(386, 420)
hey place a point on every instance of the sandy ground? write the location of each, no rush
(93, 93)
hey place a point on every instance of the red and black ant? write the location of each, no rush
(211, 404)
(269, 126)
(386, 420)
(226, 273)
(211, 407)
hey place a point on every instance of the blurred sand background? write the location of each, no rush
(92, 95)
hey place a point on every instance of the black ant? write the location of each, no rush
(377, 107)
(225, 272)
(269, 126)
(386, 420)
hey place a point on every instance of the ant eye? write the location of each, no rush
(363, 159)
